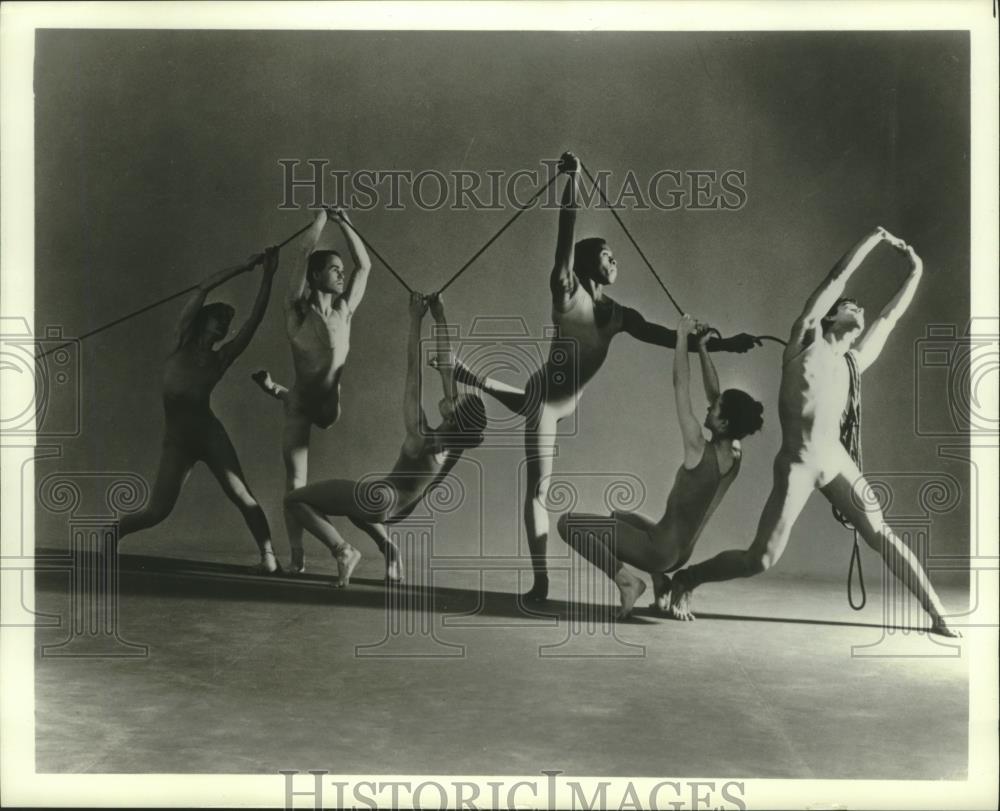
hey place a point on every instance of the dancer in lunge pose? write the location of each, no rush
(709, 467)
(819, 367)
(426, 456)
(319, 307)
(587, 319)
(193, 433)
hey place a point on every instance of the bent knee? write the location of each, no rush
(293, 499)
(538, 492)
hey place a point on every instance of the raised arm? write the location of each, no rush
(709, 377)
(563, 281)
(638, 327)
(297, 282)
(832, 287)
(195, 301)
(356, 285)
(870, 346)
(694, 442)
(230, 351)
(413, 413)
(444, 364)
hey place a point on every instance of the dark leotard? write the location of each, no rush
(692, 500)
(393, 496)
(189, 376)
(667, 544)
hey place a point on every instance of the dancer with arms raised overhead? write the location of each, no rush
(193, 432)
(822, 365)
(319, 309)
(587, 320)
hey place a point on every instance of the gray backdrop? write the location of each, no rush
(157, 162)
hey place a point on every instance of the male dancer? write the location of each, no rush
(319, 307)
(817, 368)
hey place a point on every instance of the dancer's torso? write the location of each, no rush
(411, 475)
(811, 401)
(694, 496)
(320, 346)
(189, 376)
(585, 330)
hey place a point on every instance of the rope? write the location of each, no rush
(631, 239)
(494, 238)
(645, 259)
(149, 307)
(850, 438)
(193, 287)
(380, 258)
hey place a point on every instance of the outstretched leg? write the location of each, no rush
(793, 482)
(606, 544)
(511, 397)
(847, 492)
(175, 465)
(220, 456)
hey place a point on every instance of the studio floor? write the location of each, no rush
(778, 678)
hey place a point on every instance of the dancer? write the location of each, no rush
(702, 480)
(318, 312)
(587, 319)
(818, 367)
(427, 455)
(193, 432)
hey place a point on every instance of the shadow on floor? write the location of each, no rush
(206, 580)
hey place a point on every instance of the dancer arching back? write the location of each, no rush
(427, 455)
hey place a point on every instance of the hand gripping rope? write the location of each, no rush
(614, 213)
(382, 259)
(148, 307)
(193, 287)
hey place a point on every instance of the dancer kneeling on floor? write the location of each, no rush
(709, 468)
(427, 455)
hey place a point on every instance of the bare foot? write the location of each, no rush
(631, 588)
(268, 565)
(661, 591)
(298, 562)
(347, 560)
(680, 601)
(539, 591)
(393, 568)
(939, 626)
